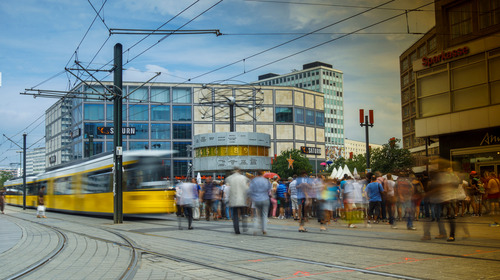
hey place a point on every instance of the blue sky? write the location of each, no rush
(41, 38)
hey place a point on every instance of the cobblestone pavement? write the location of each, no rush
(152, 247)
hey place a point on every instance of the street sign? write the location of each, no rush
(105, 130)
(310, 150)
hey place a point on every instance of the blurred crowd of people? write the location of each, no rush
(374, 198)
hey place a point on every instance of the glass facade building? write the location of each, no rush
(167, 116)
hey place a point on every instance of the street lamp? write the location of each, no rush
(366, 121)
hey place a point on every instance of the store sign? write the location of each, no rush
(489, 139)
(428, 61)
(76, 133)
(104, 130)
(310, 150)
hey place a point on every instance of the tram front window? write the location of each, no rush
(148, 173)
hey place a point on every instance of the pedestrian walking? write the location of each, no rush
(186, 195)
(374, 192)
(207, 196)
(40, 210)
(237, 192)
(259, 192)
(2, 200)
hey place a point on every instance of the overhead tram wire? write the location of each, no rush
(289, 41)
(145, 37)
(168, 35)
(326, 4)
(324, 43)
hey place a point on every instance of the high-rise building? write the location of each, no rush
(450, 88)
(320, 77)
(167, 116)
(35, 161)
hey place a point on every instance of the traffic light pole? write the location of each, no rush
(24, 171)
(117, 137)
(363, 121)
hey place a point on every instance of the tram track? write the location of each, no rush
(47, 258)
(402, 250)
(128, 273)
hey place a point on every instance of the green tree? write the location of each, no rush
(4, 176)
(391, 158)
(300, 163)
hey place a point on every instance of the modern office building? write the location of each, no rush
(35, 161)
(167, 116)
(58, 137)
(450, 82)
(320, 77)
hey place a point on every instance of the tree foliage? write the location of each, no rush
(4, 176)
(391, 158)
(280, 166)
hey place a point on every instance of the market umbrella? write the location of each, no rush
(271, 175)
(323, 163)
(334, 173)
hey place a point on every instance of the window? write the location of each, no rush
(181, 131)
(489, 13)
(159, 94)
(160, 131)
(299, 115)
(110, 112)
(181, 168)
(90, 129)
(93, 112)
(138, 112)
(142, 145)
(320, 119)
(160, 112)
(95, 148)
(182, 149)
(138, 94)
(160, 146)
(284, 114)
(460, 20)
(310, 117)
(181, 95)
(181, 113)
(141, 131)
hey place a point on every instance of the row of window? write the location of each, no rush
(97, 147)
(159, 131)
(304, 116)
(144, 94)
(95, 112)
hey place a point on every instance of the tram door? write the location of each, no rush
(492, 166)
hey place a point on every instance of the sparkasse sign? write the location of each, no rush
(445, 55)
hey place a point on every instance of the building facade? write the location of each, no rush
(167, 116)
(320, 77)
(58, 137)
(451, 86)
(354, 148)
(35, 161)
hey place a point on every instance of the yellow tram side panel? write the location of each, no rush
(149, 202)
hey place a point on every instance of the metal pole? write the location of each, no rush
(24, 171)
(367, 143)
(117, 139)
(231, 118)
(427, 155)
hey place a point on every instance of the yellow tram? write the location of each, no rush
(87, 187)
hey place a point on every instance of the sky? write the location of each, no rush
(361, 38)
